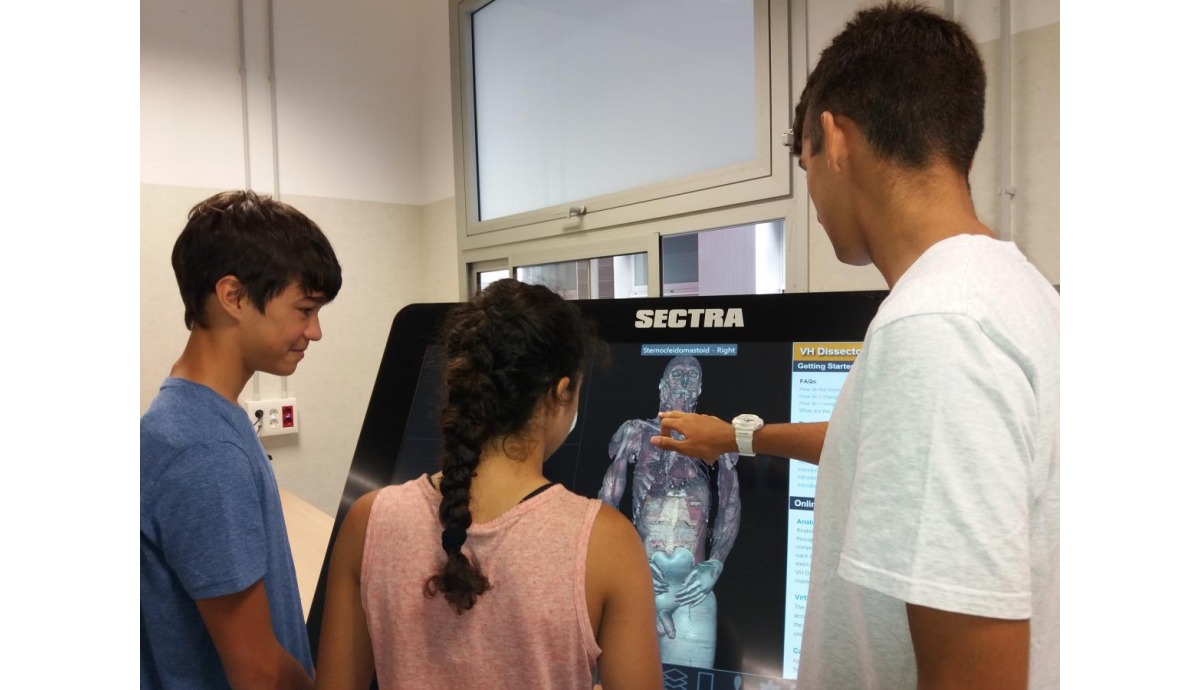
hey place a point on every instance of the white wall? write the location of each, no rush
(350, 97)
(349, 119)
(191, 104)
(433, 87)
(363, 102)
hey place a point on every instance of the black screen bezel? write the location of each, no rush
(811, 317)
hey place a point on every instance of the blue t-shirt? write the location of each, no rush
(212, 525)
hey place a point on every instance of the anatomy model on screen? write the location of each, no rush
(672, 509)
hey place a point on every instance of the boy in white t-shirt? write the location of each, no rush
(935, 552)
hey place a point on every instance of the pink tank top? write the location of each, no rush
(530, 630)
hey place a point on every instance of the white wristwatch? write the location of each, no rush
(744, 426)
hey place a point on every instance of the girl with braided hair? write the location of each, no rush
(486, 575)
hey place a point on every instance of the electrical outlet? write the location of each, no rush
(279, 416)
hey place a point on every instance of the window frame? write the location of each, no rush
(767, 177)
(496, 258)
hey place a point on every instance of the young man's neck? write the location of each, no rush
(906, 213)
(211, 359)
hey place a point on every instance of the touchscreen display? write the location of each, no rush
(730, 544)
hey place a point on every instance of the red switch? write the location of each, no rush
(288, 419)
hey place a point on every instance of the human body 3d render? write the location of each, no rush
(687, 538)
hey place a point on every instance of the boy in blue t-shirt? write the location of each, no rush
(219, 602)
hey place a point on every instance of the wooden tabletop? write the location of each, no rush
(308, 531)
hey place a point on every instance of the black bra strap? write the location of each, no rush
(528, 496)
(537, 491)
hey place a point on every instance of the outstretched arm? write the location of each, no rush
(707, 437)
(621, 605)
(623, 450)
(346, 659)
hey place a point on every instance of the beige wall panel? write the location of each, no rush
(1036, 123)
(439, 234)
(163, 214)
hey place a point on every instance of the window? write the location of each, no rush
(739, 260)
(584, 115)
(607, 277)
(486, 278)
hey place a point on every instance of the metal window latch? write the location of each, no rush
(574, 211)
(787, 139)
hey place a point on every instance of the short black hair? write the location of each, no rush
(264, 243)
(912, 80)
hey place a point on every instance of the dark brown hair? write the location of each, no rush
(912, 80)
(264, 243)
(505, 351)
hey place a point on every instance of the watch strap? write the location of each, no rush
(745, 441)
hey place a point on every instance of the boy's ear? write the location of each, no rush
(836, 147)
(230, 296)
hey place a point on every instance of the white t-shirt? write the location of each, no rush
(938, 483)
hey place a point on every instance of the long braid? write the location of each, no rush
(470, 404)
(505, 351)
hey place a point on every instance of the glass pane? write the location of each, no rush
(605, 277)
(486, 278)
(576, 98)
(741, 260)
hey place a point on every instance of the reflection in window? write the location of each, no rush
(606, 277)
